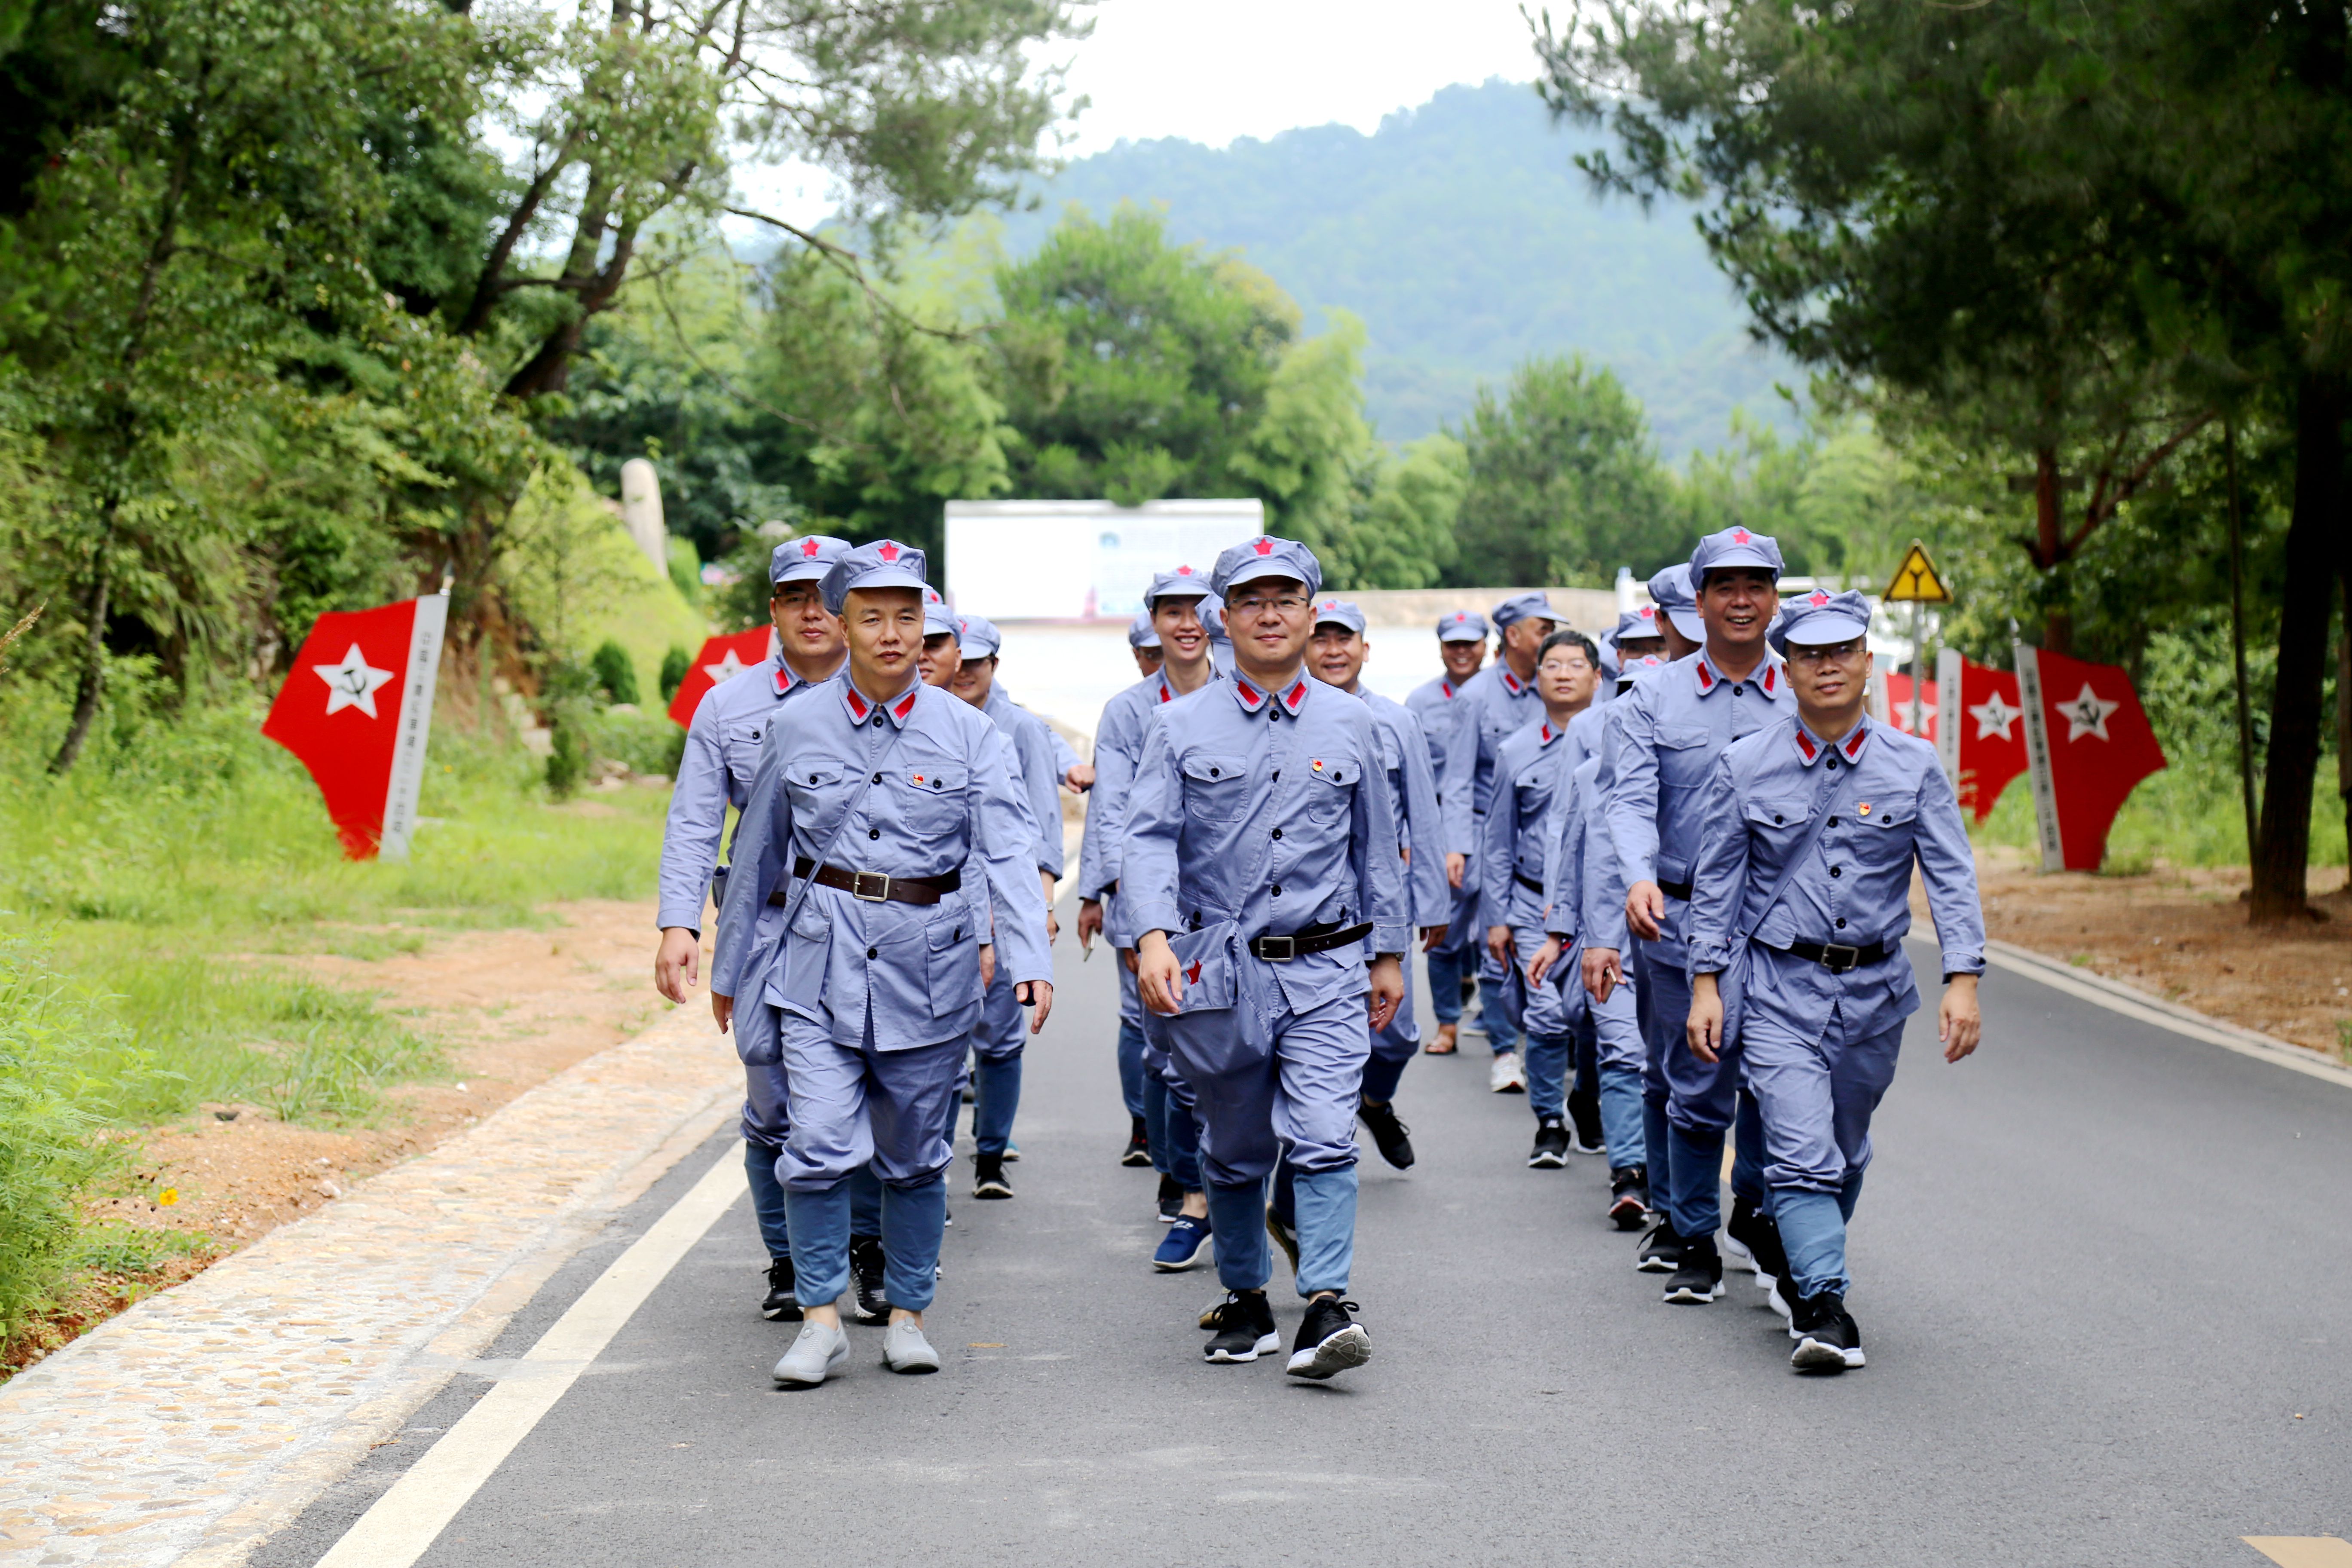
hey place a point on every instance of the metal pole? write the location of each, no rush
(1918, 670)
(2238, 635)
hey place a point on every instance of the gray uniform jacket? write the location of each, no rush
(722, 753)
(1119, 746)
(1432, 703)
(1413, 790)
(1661, 743)
(919, 788)
(1495, 705)
(1268, 813)
(1033, 749)
(1511, 854)
(1887, 804)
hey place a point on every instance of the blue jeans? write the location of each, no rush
(1814, 1099)
(1172, 1132)
(913, 1218)
(1451, 959)
(1694, 1171)
(1130, 1065)
(1322, 1213)
(996, 1095)
(768, 1200)
(1624, 1119)
(1547, 1072)
(1687, 1105)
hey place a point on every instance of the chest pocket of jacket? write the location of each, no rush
(739, 748)
(814, 787)
(1215, 787)
(1328, 795)
(1532, 788)
(1882, 836)
(931, 796)
(1684, 758)
(954, 965)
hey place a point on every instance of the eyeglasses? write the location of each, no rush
(1832, 653)
(1285, 606)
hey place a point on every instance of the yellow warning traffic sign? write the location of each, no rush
(1916, 581)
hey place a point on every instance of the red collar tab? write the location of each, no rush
(1511, 683)
(905, 705)
(1805, 746)
(1294, 697)
(1248, 696)
(1166, 695)
(1852, 745)
(1771, 679)
(785, 678)
(1549, 734)
(1447, 688)
(1706, 673)
(859, 708)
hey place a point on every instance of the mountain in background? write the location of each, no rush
(1466, 240)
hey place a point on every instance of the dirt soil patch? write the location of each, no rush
(2181, 934)
(511, 1008)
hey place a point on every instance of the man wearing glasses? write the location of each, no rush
(1261, 854)
(1462, 645)
(1499, 701)
(1800, 900)
(1511, 879)
(1660, 748)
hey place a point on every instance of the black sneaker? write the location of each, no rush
(1828, 1339)
(1330, 1341)
(1138, 1147)
(988, 1177)
(1584, 1123)
(1628, 1196)
(782, 1306)
(1771, 1259)
(1245, 1326)
(866, 1273)
(1469, 992)
(1172, 1200)
(1284, 1236)
(1392, 1137)
(1661, 1251)
(1551, 1152)
(1698, 1279)
(1739, 1232)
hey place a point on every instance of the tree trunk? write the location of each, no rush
(2313, 562)
(2050, 548)
(92, 684)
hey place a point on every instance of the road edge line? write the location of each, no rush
(2117, 998)
(398, 1528)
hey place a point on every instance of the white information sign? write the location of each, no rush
(1081, 559)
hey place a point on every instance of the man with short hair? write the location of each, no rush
(1662, 744)
(1175, 600)
(1143, 642)
(1498, 702)
(997, 1044)
(715, 771)
(1511, 873)
(867, 813)
(1462, 647)
(1261, 855)
(1802, 888)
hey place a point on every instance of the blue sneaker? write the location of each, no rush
(1184, 1246)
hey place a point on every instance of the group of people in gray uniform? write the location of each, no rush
(1671, 864)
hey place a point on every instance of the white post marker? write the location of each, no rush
(2037, 758)
(415, 1511)
(415, 725)
(1947, 725)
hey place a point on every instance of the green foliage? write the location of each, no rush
(617, 676)
(674, 666)
(1565, 484)
(1403, 533)
(685, 564)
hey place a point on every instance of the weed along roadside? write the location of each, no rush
(211, 1022)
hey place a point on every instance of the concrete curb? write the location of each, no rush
(192, 1426)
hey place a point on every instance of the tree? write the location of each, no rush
(2083, 232)
(1311, 452)
(1403, 533)
(1135, 369)
(1564, 482)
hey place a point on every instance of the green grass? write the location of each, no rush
(149, 901)
(2181, 816)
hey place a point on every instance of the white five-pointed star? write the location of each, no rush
(727, 665)
(2087, 714)
(1994, 716)
(1903, 717)
(353, 683)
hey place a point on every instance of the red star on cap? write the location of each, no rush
(1739, 536)
(889, 551)
(1649, 612)
(1264, 547)
(808, 549)
(1183, 571)
(1818, 599)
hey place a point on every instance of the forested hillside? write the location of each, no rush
(1465, 239)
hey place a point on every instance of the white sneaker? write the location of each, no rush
(904, 1347)
(1507, 1075)
(814, 1354)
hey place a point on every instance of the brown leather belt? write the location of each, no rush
(873, 886)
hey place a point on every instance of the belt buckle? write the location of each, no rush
(1266, 948)
(1837, 957)
(861, 880)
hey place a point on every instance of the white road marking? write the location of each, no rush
(407, 1518)
(2118, 998)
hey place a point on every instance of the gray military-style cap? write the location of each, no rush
(1822, 618)
(798, 560)
(884, 563)
(978, 637)
(1523, 607)
(1461, 626)
(1256, 560)
(1735, 547)
(1339, 613)
(1140, 632)
(1671, 587)
(1182, 582)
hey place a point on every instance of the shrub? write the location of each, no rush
(675, 664)
(615, 675)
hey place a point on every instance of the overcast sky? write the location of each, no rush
(1209, 70)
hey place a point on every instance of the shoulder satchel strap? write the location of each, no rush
(830, 837)
(1822, 804)
(1281, 757)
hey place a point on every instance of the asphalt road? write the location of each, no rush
(2104, 1286)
